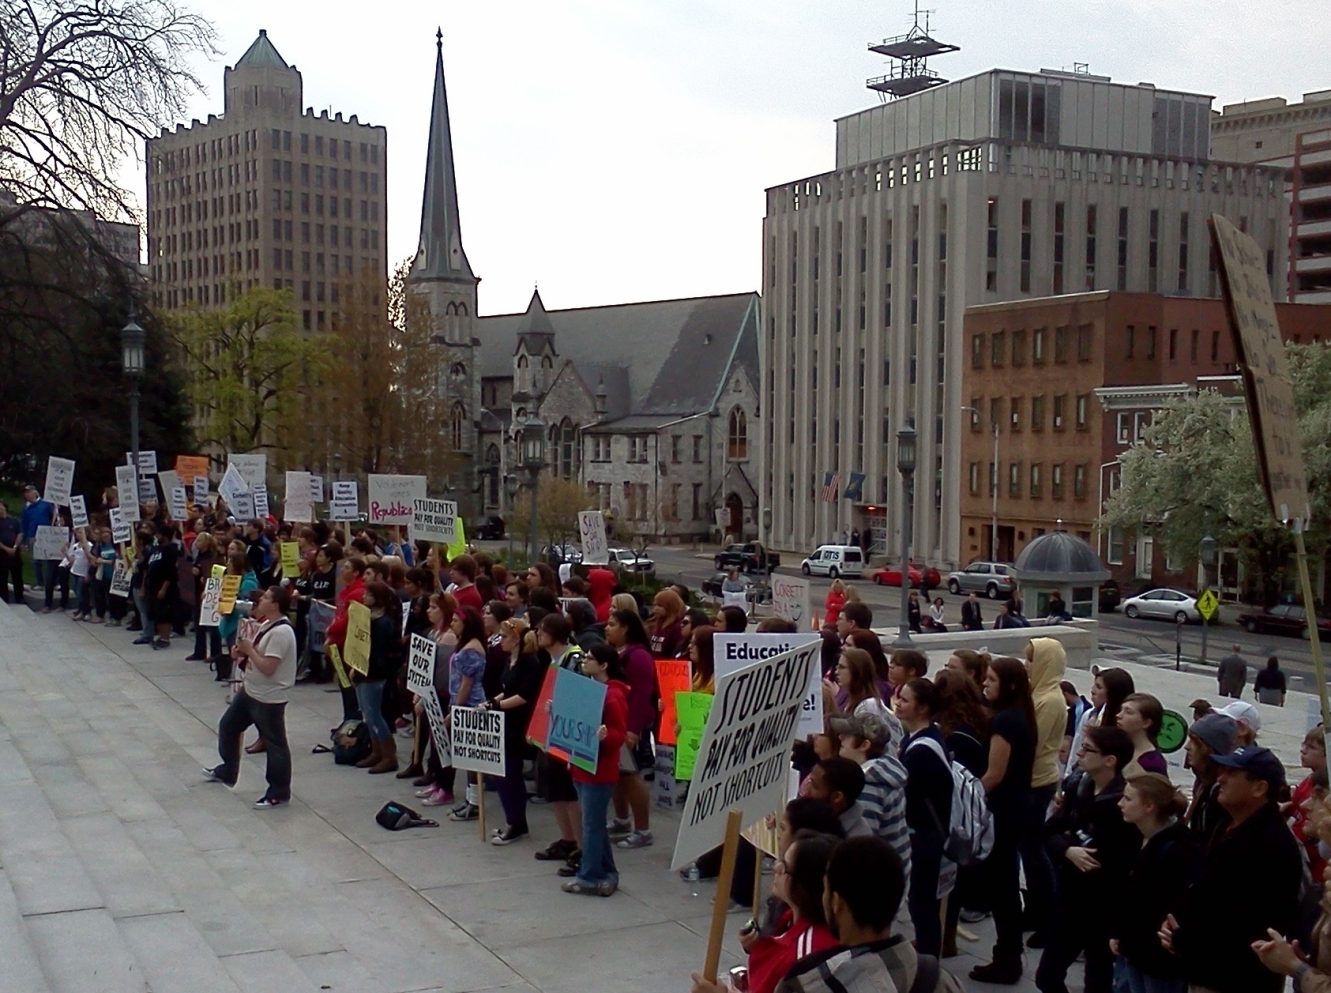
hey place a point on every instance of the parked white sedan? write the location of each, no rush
(1165, 604)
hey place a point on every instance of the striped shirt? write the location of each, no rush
(884, 803)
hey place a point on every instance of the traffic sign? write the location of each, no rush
(1207, 605)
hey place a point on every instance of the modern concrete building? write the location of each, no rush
(1003, 186)
(268, 195)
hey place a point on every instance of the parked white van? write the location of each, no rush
(833, 561)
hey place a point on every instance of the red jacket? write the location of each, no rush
(770, 958)
(600, 585)
(615, 718)
(337, 627)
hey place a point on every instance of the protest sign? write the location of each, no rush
(210, 614)
(232, 487)
(459, 544)
(179, 503)
(538, 728)
(392, 497)
(438, 725)
(290, 558)
(734, 651)
(476, 737)
(345, 505)
(663, 786)
(78, 511)
(420, 664)
(745, 752)
(433, 520)
(243, 508)
(192, 466)
(49, 542)
(340, 671)
(169, 480)
(298, 506)
(253, 469)
(127, 488)
(316, 488)
(147, 462)
(260, 493)
(147, 490)
(672, 676)
(575, 714)
(218, 570)
(201, 491)
(120, 578)
(406, 616)
(790, 599)
(356, 652)
(120, 529)
(691, 711)
(591, 527)
(318, 619)
(230, 590)
(59, 481)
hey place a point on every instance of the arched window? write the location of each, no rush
(458, 372)
(457, 425)
(739, 435)
(462, 310)
(492, 484)
(450, 310)
(547, 363)
(566, 449)
(524, 381)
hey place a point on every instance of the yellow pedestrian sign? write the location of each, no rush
(1207, 605)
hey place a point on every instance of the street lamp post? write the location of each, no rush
(511, 485)
(337, 466)
(993, 487)
(906, 466)
(1208, 560)
(533, 458)
(131, 363)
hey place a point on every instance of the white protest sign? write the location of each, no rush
(420, 664)
(179, 503)
(147, 462)
(59, 480)
(298, 506)
(49, 542)
(345, 505)
(120, 578)
(438, 725)
(745, 752)
(734, 651)
(147, 490)
(392, 497)
(170, 479)
(477, 739)
(201, 491)
(790, 599)
(120, 529)
(209, 614)
(261, 500)
(78, 511)
(232, 487)
(406, 616)
(243, 508)
(595, 548)
(253, 469)
(434, 520)
(316, 488)
(127, 486)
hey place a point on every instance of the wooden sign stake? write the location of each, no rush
(722, 901)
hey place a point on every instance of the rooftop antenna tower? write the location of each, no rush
(910, 73)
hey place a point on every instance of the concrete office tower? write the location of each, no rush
(268, 195)
(1002, 186)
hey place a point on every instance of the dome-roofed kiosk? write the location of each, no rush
(1063, 562)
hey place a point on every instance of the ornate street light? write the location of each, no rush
(131, 364)
(906, 458)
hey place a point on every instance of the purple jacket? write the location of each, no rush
(640, 672)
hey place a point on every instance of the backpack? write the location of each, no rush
(396, 817)
(969, 837)
(351, 742)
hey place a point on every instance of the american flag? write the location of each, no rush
(831, 482)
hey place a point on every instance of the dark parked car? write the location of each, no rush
(1109, 596)
(1284, 618)
(490, 529)
(749, 556)
(559, 554)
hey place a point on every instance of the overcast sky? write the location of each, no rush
(618, 150)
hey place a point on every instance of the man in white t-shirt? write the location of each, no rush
(269, 664)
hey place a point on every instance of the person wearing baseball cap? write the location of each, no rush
(1248, 718)
(1210, 735)
(866, 739)
(1247, 882)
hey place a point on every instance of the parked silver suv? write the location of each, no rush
(993, 579)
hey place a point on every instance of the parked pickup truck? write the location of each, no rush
(749, 556)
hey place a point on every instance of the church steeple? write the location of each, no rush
(440, 255)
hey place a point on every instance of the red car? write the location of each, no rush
(921, 577)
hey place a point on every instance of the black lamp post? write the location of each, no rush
(511, 486)
(337, 466)
(533, 459)
(906, 456)
(1208, 548)
(131, 364)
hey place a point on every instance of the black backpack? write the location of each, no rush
(351, 742)
(396, 817)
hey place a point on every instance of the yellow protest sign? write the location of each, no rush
(358, 637)
(219, 570)
(459, 546)
(291, 559)
(230, 588)
(339, 671)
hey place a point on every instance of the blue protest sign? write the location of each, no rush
(575, 714)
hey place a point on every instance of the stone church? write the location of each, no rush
(653, 407)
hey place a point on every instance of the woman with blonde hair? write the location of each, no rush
(625, 601)
(516, 699)
(665, 626)
(836, 599)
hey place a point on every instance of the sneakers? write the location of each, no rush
(160, 643)
(605, 888)
(466, 812)
(507, 836)
(559, 851)
(111, 622)
(213, 776)
(618, 826)
(973, 916)
(268, 803)
(571, 867)
(145, 640)
(637, 839)
(436, 798)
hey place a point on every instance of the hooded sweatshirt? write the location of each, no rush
(1048, 663)
(887, 966)
(884, 801)
(600, 586)
(614, 715)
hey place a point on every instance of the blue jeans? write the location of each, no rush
(1129, 979)
(370, 696)
(598, 860)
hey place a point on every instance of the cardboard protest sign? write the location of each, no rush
(210, 613)
(672, 676)
(230, 590)
(575, 715)
(433, 520)
(253, 469)
(406, 616)
(356, 652)
(591, 527)
(420, 664)
(179, 503)
(734, 651)
(120, 578)
(59, 481)
(192, 466)
(290, 558)
(317, 621)
(169, 480)
(663, 786)
(340, 671)
(691, 710)
(120, 529)
(459, 544)
(298, 506)
(218, 570)
(790, 599)
(127, 488)
(345, 505)
(260, 494)
(744, 757)
(78, 511)
(538, 728)
(438, 725)
(49, 542)
(147, 462)
(392, 497)
(201, 491)
(476, 737)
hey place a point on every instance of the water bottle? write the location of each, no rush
(693, 877)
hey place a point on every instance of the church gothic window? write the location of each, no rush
(738, 447)
(457, 426)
